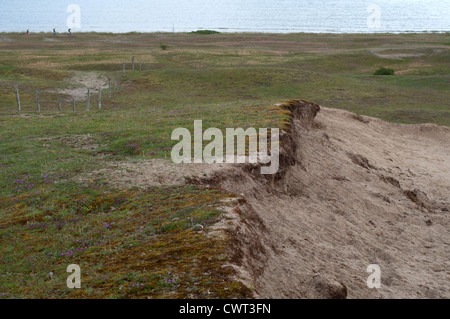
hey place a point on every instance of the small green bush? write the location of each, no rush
(163, 46)
(384, 71)
(205, 32)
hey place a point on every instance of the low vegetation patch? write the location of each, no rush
(129, 244)
(384, 71)
(205, 32)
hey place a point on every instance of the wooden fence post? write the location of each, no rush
(88, 100)
(118, 80)
(37, 101)
(16, 90)
(132, 63)
(73, 104)
(99, 98)
(59, 104)
(124, 69)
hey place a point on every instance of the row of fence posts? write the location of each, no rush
(88, 101)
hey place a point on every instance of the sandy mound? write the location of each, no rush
(153, 172)
(359, 191)
(351, 191)
(80, 83)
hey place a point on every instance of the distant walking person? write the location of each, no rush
(54, 31)
(69, 31)
(28, 31)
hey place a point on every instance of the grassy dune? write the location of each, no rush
(134, 243)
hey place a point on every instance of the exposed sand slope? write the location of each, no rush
(363, 192)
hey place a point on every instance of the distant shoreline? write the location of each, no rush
(226, 32)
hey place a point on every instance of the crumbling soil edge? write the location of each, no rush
(250, 242)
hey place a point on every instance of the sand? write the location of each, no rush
(80, 83)
(363, 191)
(357, 191)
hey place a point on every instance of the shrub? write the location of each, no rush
(163, 46)
(384, 71)
(205, 32)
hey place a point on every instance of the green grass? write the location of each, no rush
(228, 80)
